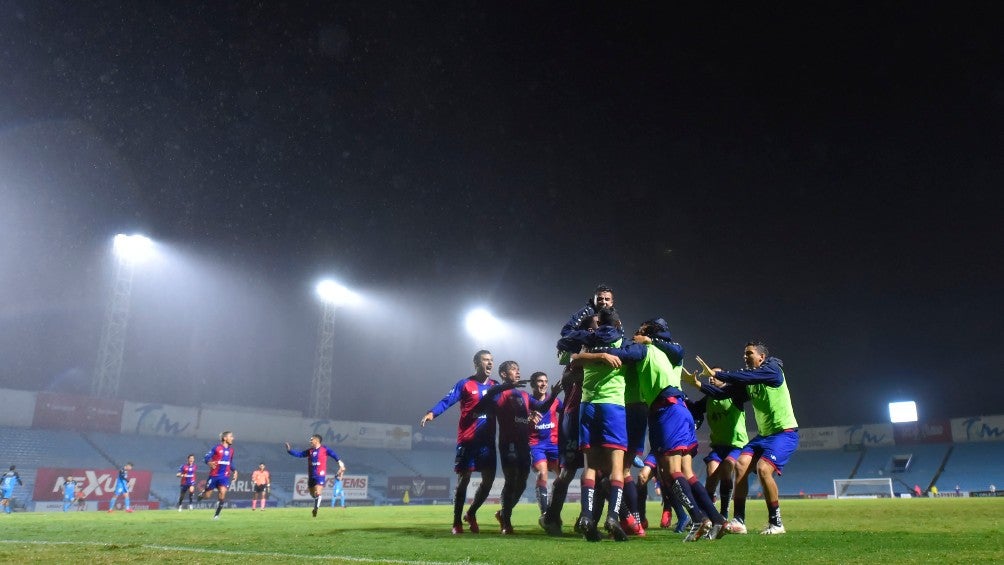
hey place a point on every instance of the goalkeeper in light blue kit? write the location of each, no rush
(8, 481)
(69, 493)
(337, 491)
(122, 488)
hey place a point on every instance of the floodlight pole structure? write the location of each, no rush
(332, 295)
(320, 388)
(111, 349)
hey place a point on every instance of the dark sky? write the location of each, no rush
(822, 176)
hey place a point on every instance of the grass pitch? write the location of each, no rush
(819, 531)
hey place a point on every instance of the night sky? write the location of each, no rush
(824, 177)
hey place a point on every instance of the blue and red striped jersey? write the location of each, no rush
(223, 457)
(546, 431)
(187, 474)
(473, 426)
(317, 460)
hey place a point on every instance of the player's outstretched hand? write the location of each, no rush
(288, 447)
(705, 369)
(690, 378)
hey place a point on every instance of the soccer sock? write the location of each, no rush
(704, 501)
(459, 498)
(774, 513)
(641, 496)
(481, 495)
(254, 503)
(317, 502)
(541, 491)
(615, 498)
(559, 491)
(219, 507)
(685, 497)
(630, 505)
(588, 492)
(181, 498)
(725, 491)
(111, 503)
(739, 509)
(127, 505)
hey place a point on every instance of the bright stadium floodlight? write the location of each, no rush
(482, 325)
(902, 412)
(336, 294)
(133, 248)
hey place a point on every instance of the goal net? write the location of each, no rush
(863, 488)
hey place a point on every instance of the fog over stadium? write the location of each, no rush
(824, 178)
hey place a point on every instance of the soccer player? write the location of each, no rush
(122, 488)
(516, 413)
(69, 493)
(726, 420)
(579, 329)
(777, 431)
(338, 491)
(221, 470)
(186, 473)
(475, 439)
(8, 481)
(602, 427)
(262, 481)
(672, 434)
(544, 438)
(317, 467)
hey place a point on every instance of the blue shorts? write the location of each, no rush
(474, 457)
(7, 492)
(214, 483)
(121, 487)
(775, 449)
(637, 423)
(314, 480)
(720, 453)
(568, 435)
(544, 452)
(671, 427)
(602, 425)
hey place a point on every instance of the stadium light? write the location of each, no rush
(129, 250)
(332, 295)
(335, 294)
(902, 412)
(133, 248)
(482, 325)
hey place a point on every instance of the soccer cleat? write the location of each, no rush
(589, 530)
(698, 531)
(314, 512)
(631, 526)
(504, 526)
(553, 528)
(472, 523)
(735, 526)
(189, 506)
(129, 510)
(457, 529)
(667, 519)
(773, 530)
(644, 523)
(216, 517)
(682, 524)
(179, 508)
(110, 510)
(613, 527)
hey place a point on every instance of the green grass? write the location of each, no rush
(819, 531)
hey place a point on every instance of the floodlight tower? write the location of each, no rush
(129, 250)
(332, 295)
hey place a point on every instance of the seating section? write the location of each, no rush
(809, 472)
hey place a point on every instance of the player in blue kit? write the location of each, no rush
(475, 439)
(544, 438)
(122, 488)
(8, 481)
(317, 467)
(69, 493)
(187, 475)
(221, 470)
(338, 491)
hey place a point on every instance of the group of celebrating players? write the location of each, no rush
(615, 388)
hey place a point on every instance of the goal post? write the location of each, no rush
(863, 488)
